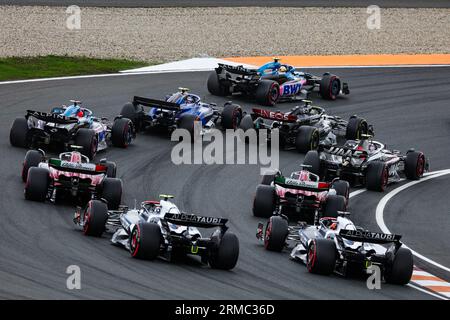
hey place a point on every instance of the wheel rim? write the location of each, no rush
(267, 234)
(86, 220)
(334, 88)
(237, 117)
(311, 256)
(273, 94)
(420, 166)
(135, 237)
(127, 136)
(315, 140)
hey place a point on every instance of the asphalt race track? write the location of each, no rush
(234, 3)
(38, 241)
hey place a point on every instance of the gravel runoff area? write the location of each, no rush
(166, 34)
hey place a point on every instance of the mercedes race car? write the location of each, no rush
(71, 175)
(68, 125)
(181, 110)
(366, 162)
(337, 245)
(159, 228)
(302, 195)
(273, 82)
(305, 127)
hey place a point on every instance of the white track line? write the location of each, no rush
(426, 291)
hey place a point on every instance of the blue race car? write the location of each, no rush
(71, 125)
(273, 82)
(181, 110)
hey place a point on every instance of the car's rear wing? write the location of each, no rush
(51, 117)
(193, 220)
(296, 184)
(368, 236)
(84, 168)
(240, 70)
(154, 103)
(274, 115)
(345, 152)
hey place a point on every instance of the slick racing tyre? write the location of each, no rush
(377, 176)
(94, 218)
(356, 127)
(247, 125)
(321, 256)
(111, 169)
(275, 234)
(122, 132)
(187, 122)
(342, 188)
(330, 86)
(267, 93)
(130, 111)
(414, 165)
(112, 192)
(231, 116)
(87, 139)
(312, 160)
(401, 268)
(307, 139)
(268, 178)
(36, 187)
(226, 255)
(215, 87)
(333, 205)
(18, 133)
(145, 241)
(264, 202)
(32, 159)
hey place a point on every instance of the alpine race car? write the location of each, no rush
(71, 174)
(159, 228)
(302, 195)
(337, 245)
(305, 127)
(367, 162)
(273, 82)
(181, 110)
(68, 125)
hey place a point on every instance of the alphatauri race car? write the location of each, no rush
(337, 245)
(181, 110)
(159, 228)
(302, 195)
(305, 127)
(70, 125)
(366, 162)
(273, 82)
(70, 175)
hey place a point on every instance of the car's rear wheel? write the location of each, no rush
(307, 139)
(414, 165)
(275, 233)
(112, 192)
(377, 176)
(18, 133)
(401, 269)
(145, 241)
(312, 161)
(215, 87)
(231, 116)
(267, 93)
(226, 255)
(95, 217)
(111, 169)
(342, 188)
(36, 187)
(32, 159)
(264, 202)
(122, 132)
(356, 127)
(130, 111)
(187, 122)
(333, 205)
(321, 256)
(330, 86)
(87, 139)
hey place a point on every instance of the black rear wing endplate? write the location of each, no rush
(154, 103)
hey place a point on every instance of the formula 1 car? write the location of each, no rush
(181, 110)
(273, 82)
(305, 127)
(70, 175)
(159, 228)
(68, 125)
(337, 245)
(367, 162)
(301, 195)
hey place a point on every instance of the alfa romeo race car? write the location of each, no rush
(181, 110)
(301, 195)
(68, 125)
(273, 82)
(367, 162)
(337, 245)
(70, 175)
(305, 127)
(159, 228)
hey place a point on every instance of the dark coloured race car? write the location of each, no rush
(181, 110)
(305, 127)
(302, 195)
(159, 228)
(70, 176)
(367, 162)
(273, 82)
(337, 245)
(70, 125)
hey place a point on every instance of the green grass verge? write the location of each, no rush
(15, 68)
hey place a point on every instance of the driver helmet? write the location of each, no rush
(80, 113)
(189, 100)
(282, 69)
(372, 147)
